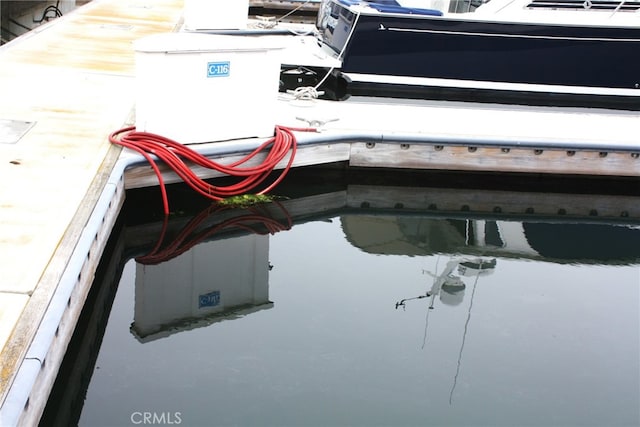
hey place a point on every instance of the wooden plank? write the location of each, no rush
(143, 175)
(427, 156)
(479, 158)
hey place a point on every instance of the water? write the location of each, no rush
(368, 316)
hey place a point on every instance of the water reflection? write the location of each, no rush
(173, 282)
(372, 305)
(450, 287)
(175, 290)
(451, 290)
(548, 239)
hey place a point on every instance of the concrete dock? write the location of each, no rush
(66, 86)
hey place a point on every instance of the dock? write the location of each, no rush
(64, 88)
(443, 136)
(67, 85)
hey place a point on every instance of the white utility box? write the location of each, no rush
(194, 87)
(215, 14)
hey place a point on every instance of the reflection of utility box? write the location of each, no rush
(196, 88)
(213, 281)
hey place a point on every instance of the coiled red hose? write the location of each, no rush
(176, 156)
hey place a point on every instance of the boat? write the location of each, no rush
(581, 52)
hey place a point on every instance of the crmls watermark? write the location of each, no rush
(156, 418)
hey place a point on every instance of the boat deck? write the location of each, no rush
(70, 83)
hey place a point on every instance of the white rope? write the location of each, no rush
(294, 10)
(305, 93)
(344, 47)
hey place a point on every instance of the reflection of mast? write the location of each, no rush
(444, 279)
(450, 288)
(426, 319)
(438, 281)
(466, 327)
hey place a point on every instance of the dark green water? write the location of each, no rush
(350, 315)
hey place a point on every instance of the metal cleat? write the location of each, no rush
(316, 124)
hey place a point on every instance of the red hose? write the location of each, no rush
(175, 156)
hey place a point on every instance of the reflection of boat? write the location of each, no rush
(570, 47)
(586, 243)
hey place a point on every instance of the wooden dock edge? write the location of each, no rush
(471, 157)
(429, 154)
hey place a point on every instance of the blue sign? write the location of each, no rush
(209, 300)
(218, 69)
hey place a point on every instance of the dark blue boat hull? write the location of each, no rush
(456, 50)
(482, 51)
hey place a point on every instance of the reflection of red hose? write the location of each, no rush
(190, 237)
(174, 155)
